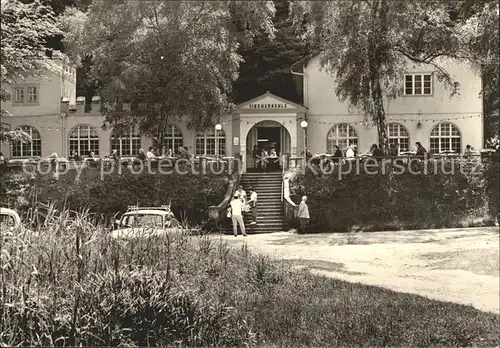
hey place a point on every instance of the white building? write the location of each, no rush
(57, 121)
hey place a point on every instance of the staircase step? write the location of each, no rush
(271, 174)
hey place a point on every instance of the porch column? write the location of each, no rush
(299, 140)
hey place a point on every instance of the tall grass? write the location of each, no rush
(67, 283)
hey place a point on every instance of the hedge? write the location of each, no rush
(401, 200)
(190, 194)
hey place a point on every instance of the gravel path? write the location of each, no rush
(456, 265)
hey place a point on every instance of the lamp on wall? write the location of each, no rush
(218, 127)
(419, 125)
(303, 124)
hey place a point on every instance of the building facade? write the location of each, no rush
(59, 122)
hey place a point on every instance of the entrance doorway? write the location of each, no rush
(270, 136)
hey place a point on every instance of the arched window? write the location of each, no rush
(127, 144)
(398, 134)
(173, 139)
(341, 135)
(445, 137)
(31, 148)
(84, 139)
(205, 142)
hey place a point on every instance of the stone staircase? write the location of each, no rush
(269, 206)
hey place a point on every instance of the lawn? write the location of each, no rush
(72, 285)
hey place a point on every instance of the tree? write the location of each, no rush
(168, 59)
(266, 65)
(25, 30)
(366, 45)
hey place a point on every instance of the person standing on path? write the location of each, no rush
(303, 215)
(236, 215)
(253, 205)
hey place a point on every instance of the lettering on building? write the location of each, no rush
(267, 106)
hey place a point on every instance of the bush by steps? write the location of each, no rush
(391, 200)
(190, 194)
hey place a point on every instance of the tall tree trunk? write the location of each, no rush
(379, 12)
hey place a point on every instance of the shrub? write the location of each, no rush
(190, 194)
(390, 201)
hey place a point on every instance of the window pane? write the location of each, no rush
(125, 145)
(115, 144)
(342, 143)
(352, 132)
(16, 149)
(404, 144)
(83, 131)
(398, 134)
(136, 145)
(200, 146)
(445, 129)
(342, 135)
(454, 130)
(84, 140)
(342, 131)
(427, 84)
(19, 94)
(210, 146)
(409, 79)
(445, 144)
(73, 146)
(434, 145)
(455, 145)
(32, 94)
(37, 148)
(31, 148)
(94, 146)
(418, 84)
(172, 131)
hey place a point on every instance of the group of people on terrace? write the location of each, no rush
(152, 154)
(376, 151)
(264, 156)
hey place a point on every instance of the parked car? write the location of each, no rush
(144, 222)
(9, 219)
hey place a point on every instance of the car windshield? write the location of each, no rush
(142, 220)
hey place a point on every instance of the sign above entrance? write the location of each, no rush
(270, 101)
(267, 106)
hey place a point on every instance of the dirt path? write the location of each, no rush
(456, 265)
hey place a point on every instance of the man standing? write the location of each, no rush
(303, 215)
(253, 205)
(236, 216)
